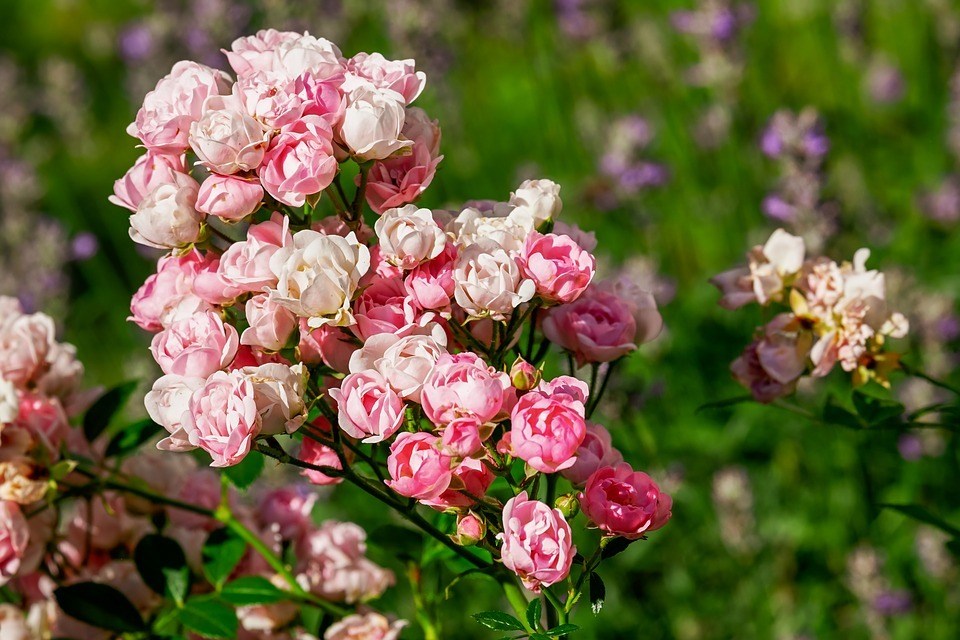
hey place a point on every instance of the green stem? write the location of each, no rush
(517, 601)
(557, 612)
(357, 206)
(597, 394)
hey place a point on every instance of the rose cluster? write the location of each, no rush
(832, 313)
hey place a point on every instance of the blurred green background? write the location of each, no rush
(775, 533)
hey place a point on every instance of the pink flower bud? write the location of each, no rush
(229, 197)
(470, 530)
(523, 375)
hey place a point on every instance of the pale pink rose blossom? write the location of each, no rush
(308, 54)
(168, 296)
(537, 542)
(25, 342)
(597, 327)
(44, 419)
(763, 279)
(223, 419)
(14, 625)
(278, 391)
(256, 53)
(271, 325)
(559, 268)
(227, 140)
(430, 284)
(163, 122)
(397, 75)
(383, 307)
(540, 197)
(546, 431)
(167, 218)
(471, 479)
(14, 538)
(328, 345)
(595, 451)
(367, 407)
(641, 303)
(461, 385)
(400, 180)
(299, 162)
(318, 275)
(624, 502)
(365, 626)
(195, 346)
(404, 362)
(229, 197)
(246, 264)
(372, 127)
(151, 170)
(504, 225)
(488, 282)
(289, 509)
(332, 564)
(210, 285)
(409, 236)
(417, 467)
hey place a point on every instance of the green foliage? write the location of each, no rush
(101, 606)
(245, 473)
(221, 553)
(101, 413)
(209, 617)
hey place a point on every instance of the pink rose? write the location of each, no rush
(431, 283)
(400, 180)
(331, 563)
(320, 455)
(597, 327)
(226, 140)
(289, 509)
(367, 407)
(327, 345)
(278, 390)
(463, 437)
(223, 419)
(167, 217)
(14, 538)
(537, 542)
(168, 295)
(596, 451)
(488, 281)
(641, 303)
(365, 626)
(404, 362)
(195, 346)
(151, 170)
(546, 431)
(397, 75)
(461, 385)
(44, 419)
(270, 324)
(25, 342)
(382, 307)
(373, 121)
(163, 122)
(471, 479)
(229, 197)
(587, 240)
(418, 469)
(166, 404)
(246, 264)
(409, 236)
(624, 502)
(211, 286)
(539, 199)
(300, 161)
(559, 268)
(255, 53)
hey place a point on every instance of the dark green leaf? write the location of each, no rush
(251, 590)
(154, 556)
(498, 620)
(245, 474)
(919, 513)
(953, 546)
(615, 546)
(533, 613)
(402, 541)
(487, 571)
(100, 414)
(178, 583)
(563, 629)
(598, 593)
(100, 605)
(722, 404)
(131, 437)
(876, 410)
(209, 617)
(222, 551)
(834, 413)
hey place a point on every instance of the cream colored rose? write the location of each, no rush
(409, 236)
(167, 218)
(488, 282)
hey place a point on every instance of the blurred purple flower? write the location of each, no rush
(136, 42)
(84, 246)
(910, 447)
(893, 602)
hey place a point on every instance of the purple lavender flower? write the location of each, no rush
(893, 602)
(136, 42)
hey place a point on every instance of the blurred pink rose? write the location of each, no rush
(367, 407)
(331, 563)
(597, 327)
(227, 140)
(641, 303)
(270, 324)
(461, 385)
(409, 236)
(624, 502)
(25, 342)
(229, 197)
(559, 268)
(44, 419)
(168, 296)
(430, 284)
(14, 538)
(300, 161)
(546, 431)
(418, 469)
(400, 180)
(365, 626)
(537, 542)
(223, 418)
(596, 451)
(151, 170)
(289, 509)
(195, 346)
(320, 455)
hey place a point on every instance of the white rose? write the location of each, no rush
(505, 225)
(227, 140)
(278, 391)
(373, 121)
(488, 282)
(409, 236)
(318, 56)
(318, 275)
(405, 362)
(541, 197)
(25, 343)
(9, 402)
(167, 218)
(166, 403)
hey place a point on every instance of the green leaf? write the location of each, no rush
(402, 541)
(178, 583)
(533, 613)
(100, 414)
(221, 553)
(834, 413)
(156, 555)
(876, 410)
(131, 437)
(209, 617)
(598, 593)
(563, 629)
(722, 404)
(919, 513)
(245, 473)
(62, 469)
(252, 590)
(498, 621)
(614, 546)
(101, 606)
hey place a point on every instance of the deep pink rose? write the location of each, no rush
(624, 502)
(471, 479)
(537, 542)
(195, 346)
(597, 327)
(383, 307)
(270, 324)
(320, 455)
(223, 419)
(151, 170)
(168, 295)
(596, 451)
(14, 538)
(300, 161)
(418, 469)
(547, 431)
(229, 197)
(431, 284)
(210, 285)
(461, 385)
(367, 407)
(559, 268)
